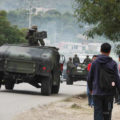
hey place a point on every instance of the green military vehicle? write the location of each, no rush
(37, 65)
(76, 73)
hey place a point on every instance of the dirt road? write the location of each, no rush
(25, 97)
(74, 108)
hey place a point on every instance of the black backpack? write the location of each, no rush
(107, 76)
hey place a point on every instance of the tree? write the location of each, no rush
(102, 15)
(9, 33)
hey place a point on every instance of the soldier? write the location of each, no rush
(87, 60)
(40, 41)
(32, 37)
(69, 65)
(76, 60)
(35, 28)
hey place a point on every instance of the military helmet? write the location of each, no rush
(34, 27)
(75, 55)
(70, 58)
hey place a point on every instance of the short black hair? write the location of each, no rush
(95, 56)
(105, 47)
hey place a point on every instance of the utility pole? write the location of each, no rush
(30, 15)
(29, 7)
(30, 12)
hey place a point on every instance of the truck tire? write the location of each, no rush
(55, 88)
(1, 78)
(46, 87)
(9, 84)
(0, 84)
(69, 80)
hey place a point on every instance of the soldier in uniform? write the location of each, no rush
(69, 65)
(76, 60)
(40, 41)
(32, 37)
(87, 60)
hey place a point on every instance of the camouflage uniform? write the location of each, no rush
(87, 60)
(69, 65)
(40, 40)
(31, 37)
(76, 60)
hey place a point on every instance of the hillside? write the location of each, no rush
(60, 5)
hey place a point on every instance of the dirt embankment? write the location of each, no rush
(75, 108)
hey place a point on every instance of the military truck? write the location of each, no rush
(76, 73)
(36, 65)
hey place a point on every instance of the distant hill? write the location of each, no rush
(60, 5)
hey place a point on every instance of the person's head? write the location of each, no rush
(34, 27)
(75, 55)
(106, 49)
(70, 59)
(87, 56)
(94, 57)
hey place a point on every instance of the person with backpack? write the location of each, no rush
(103, 79)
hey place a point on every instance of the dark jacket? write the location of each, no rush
(93, 76)
(76, 60)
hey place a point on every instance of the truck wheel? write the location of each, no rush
(0, 84)
(46, 86)
(55, 88)
(1, 78)
(69, 80)
(9, 84)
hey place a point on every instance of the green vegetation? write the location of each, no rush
(103, 15)
(75, 106)
(67, 100)
(83, 96)
(9, 33)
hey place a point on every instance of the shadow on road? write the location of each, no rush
(26, 92)
(79, 85)
(21, 92)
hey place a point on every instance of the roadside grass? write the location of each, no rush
(84, 95)
(81, 96)
(67, 100)
(78, 102)
(75, 106)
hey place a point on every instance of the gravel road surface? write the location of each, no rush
(24, 97)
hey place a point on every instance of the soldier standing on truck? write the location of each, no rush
(40, 41)
(76, 60)
(87, 60)
(32, 37)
